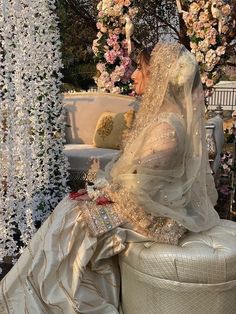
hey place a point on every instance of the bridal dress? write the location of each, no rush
(157, 190)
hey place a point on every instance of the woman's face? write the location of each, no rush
(139, 77)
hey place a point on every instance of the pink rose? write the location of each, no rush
(116, 47)
(226, 10)
(127, 3)
(99, 25)
(209, 82)
(125, 61)
(101, 67)
(115, 90)
(220, 51)
(204, 17)
(110, 56)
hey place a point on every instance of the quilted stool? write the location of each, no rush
(196, 277)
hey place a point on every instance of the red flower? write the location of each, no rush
(102, 200)
(80, 195)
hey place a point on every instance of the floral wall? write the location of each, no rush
(33, 169)
(112, 45)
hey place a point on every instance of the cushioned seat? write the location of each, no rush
(196, 277)
(82, 155)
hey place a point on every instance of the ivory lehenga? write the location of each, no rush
(156, 191)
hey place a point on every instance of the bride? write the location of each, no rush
(158, 189)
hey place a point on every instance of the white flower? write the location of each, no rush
(93, 193)
(100, 183)
(199, 57)
(203, 45)
(220, 50)
(106, 4)
(211, 56)
(32, 150)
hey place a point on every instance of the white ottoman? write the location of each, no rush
(196, 277)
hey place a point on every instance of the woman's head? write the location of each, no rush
(141, 74)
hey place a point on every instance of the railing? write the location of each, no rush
(224, 97)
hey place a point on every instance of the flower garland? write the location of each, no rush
(94, 192)
(33, 169)
(111, 46)
(208, 25)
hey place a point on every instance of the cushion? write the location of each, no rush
(110, 129)
(84, 109)
(197, 277)
(82, 156)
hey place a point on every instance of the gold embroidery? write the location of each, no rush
(100, 218)
(160, 229)
(106, 126)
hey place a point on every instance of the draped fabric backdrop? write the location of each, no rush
(33, 169)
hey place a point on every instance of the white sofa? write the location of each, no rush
(83, 111)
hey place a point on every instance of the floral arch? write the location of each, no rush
(209, 25)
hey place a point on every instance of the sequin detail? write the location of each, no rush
(160, 229)
(100, 218)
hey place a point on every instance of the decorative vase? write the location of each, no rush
(211, 143)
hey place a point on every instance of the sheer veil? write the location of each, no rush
(180, 192)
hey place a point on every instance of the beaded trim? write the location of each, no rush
(160, 229)
(100, 218)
